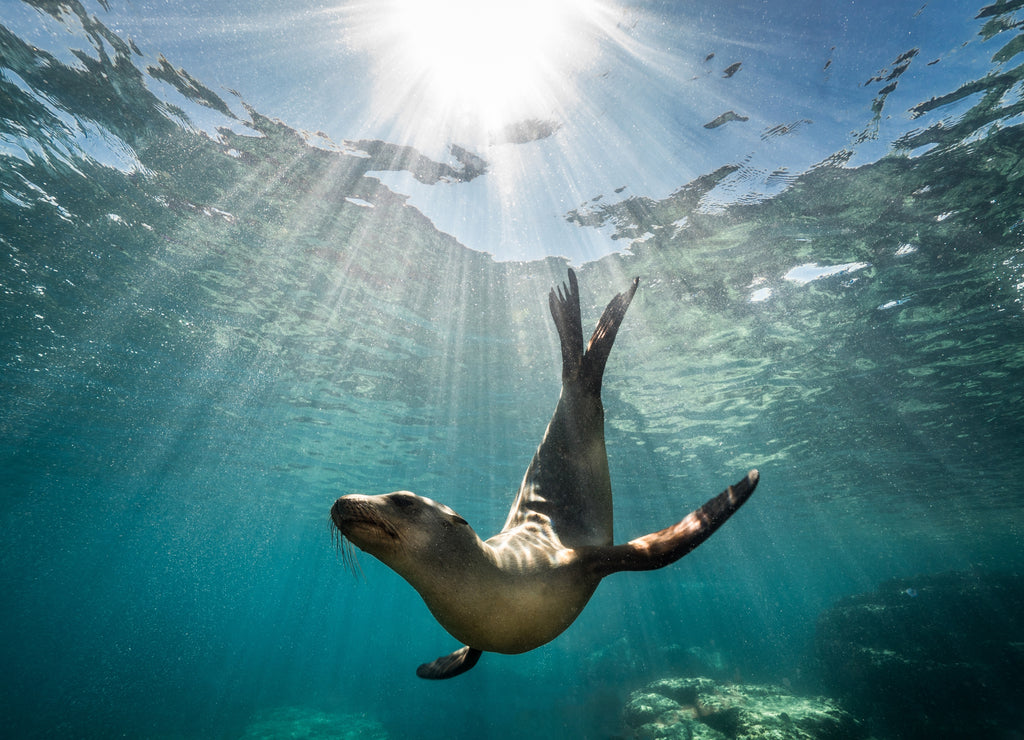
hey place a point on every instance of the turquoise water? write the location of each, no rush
(208, 334)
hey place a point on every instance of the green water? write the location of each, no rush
(204, 342)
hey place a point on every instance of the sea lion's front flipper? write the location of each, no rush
(449, 666)
(658, 549)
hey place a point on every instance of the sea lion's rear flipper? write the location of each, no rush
(658, 549)
(449, 666)
(586, 366)
(565, 310)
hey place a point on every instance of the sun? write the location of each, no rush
(475, 65)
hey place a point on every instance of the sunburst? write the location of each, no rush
(468, 68)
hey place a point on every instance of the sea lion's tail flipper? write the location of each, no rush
(586, 366)
(565, 310)
(449, 666)
(658, 549)
(600, 344)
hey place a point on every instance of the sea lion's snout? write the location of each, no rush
(352, 510)
(361, 520)
(338, 513)
(347, 514)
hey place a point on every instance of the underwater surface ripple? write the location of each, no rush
(209, 333)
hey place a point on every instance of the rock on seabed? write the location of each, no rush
(703, 709)
(931, 657)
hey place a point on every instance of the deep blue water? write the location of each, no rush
(207, 336)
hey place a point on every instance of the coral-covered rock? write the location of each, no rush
(703, 709)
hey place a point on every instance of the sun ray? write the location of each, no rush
(469, 69)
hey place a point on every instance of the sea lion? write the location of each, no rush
(524, 586)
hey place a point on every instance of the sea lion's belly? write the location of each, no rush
(512, 612)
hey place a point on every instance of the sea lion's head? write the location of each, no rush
(404, 531)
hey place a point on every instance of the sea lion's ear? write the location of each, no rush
(450, 514)
(449, 666)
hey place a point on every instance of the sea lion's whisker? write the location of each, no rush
(348, 552)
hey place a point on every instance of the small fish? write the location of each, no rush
(911, 592)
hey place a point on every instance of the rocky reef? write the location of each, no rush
(704, 709)
(937, 656)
